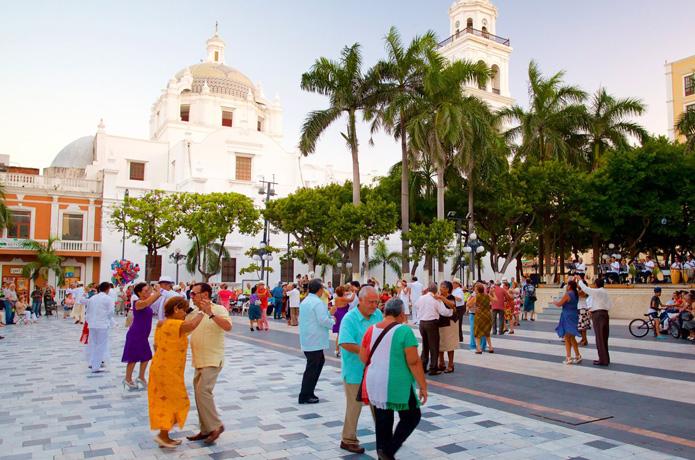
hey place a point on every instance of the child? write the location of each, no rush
(254, 310)
(264, 296)
(21, 309)
(68, 303)
(224, 295)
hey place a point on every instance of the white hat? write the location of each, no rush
(166, 279)
(456, 280)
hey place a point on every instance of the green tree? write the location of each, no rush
(382, 256)
(208, 257)
(46, 260)
(152, 220)
(209, 219)
(400, 78)
(430, 241)
(349, 92)
(4, 211)
(686, 127)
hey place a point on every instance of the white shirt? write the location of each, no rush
(355, 302)
(100, 310)
(158, 305)
(649, 265)
(416, 288)
(615, 266)
(580, 268)
(598, 298)
(293, 298)
(458, 293)
(429, 308)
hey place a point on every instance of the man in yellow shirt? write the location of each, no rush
(207, 352)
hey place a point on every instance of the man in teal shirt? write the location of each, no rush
(352, 329)
(315, 322)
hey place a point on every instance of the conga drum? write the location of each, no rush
(688, 275)
(675, 276)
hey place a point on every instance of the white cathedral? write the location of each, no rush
(213, 130)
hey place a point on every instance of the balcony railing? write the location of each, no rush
(477, 33)
(59, 245)
(30, 181)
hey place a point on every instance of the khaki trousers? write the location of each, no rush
(294, 316)
(78, 312)
(203, 384)
(353, 409)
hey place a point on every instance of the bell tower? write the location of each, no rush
(215, 48)
(473, 36)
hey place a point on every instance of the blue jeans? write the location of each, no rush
(36, 307)
(9, 314)
(277, 308)
(483, 342)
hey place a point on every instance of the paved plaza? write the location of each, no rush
(54, 408)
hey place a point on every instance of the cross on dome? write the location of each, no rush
(215, 48)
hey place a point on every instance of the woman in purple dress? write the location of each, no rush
(137, 344)
(341, 301)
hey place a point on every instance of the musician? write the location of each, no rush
(579, 267)
(614, 271)
(648, 270)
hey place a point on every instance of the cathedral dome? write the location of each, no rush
(220, 79)
(77, 154)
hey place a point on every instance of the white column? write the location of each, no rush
(88, 270)
(90, 236)
(55, 216)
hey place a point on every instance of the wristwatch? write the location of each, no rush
(211, 316)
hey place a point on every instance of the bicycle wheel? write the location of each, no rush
(674, 330)
(639, 327)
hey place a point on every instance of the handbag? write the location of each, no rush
(371, 353)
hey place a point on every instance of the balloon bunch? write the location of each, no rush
(124, 272)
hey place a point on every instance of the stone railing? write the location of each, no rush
(59, 245)
(32, 181)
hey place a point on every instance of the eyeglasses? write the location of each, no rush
(193, 294)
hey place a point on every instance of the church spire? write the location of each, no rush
(215, 48)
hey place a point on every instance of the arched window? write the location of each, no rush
(485, 34)
(458, 27)
(469, 23)
(217, 56)
(480, 85)
(495, 79)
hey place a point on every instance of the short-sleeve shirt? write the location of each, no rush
(207, 340)
(352, 329)
(500, 298)
(389, 381)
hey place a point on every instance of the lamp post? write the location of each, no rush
(266, 188)
(473, 247)
(348, 267)
(263, 256)
(177, 257)
(125, 206)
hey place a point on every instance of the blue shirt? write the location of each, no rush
(314, 324)
(352, 329)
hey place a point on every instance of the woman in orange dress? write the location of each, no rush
(166, 393)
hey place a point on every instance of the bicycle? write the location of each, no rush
(640, 327)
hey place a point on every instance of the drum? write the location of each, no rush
(689, 275)
(659, 275)
(675, 276)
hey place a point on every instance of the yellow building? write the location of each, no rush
(680, 91)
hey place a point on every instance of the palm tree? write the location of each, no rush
(382, 256)
(46, 260)
(205, 257)
(555, 114)
(686, 127)
(549, 130)
(349, 92)
(4, 211)
(608, 126)
(400, 79)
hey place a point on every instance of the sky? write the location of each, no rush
(65, 65)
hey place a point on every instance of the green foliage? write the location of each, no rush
(686, 127)
(430, 241)
(152, 220)
(46, 260)
(255, 269)
(382, 256)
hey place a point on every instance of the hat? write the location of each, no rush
(165, 279)
(456, 280)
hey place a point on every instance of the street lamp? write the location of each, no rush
(125, 205)
(177, 257)
(264, 256)
(451, 215)
(473, 247)
(266, 188)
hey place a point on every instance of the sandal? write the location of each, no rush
(568, 361)
(449, 370)
(578, 359)
(491, 350)
(478, 352)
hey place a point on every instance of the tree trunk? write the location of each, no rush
(541, 251)
(427, 269)
(366, 259)
(595, 253)
(471, 220)
(562, 257)
(405, 200)
(440, 214)
(519, 268)
(383, 279)
(352, 135)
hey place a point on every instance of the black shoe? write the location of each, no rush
(434, 372)
(381, 455)
(599, 363)
(251, 329)
(354, 448)
(258, 328)
(312, 400)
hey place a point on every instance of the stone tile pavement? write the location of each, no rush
(53, 408)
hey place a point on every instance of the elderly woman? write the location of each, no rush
(167, 397)
(483, 318)
(137, 345)
(448, 328)
(392, 366)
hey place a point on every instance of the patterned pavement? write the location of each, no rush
(53, 408)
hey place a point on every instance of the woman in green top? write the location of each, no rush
(392, 366)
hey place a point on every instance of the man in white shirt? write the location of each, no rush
(614, 271)
(293, 303)
(99, 316)
(598, 304)
(460, 304)
(648, 271)
(430, 307)
(416, 288)
(167, 285)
